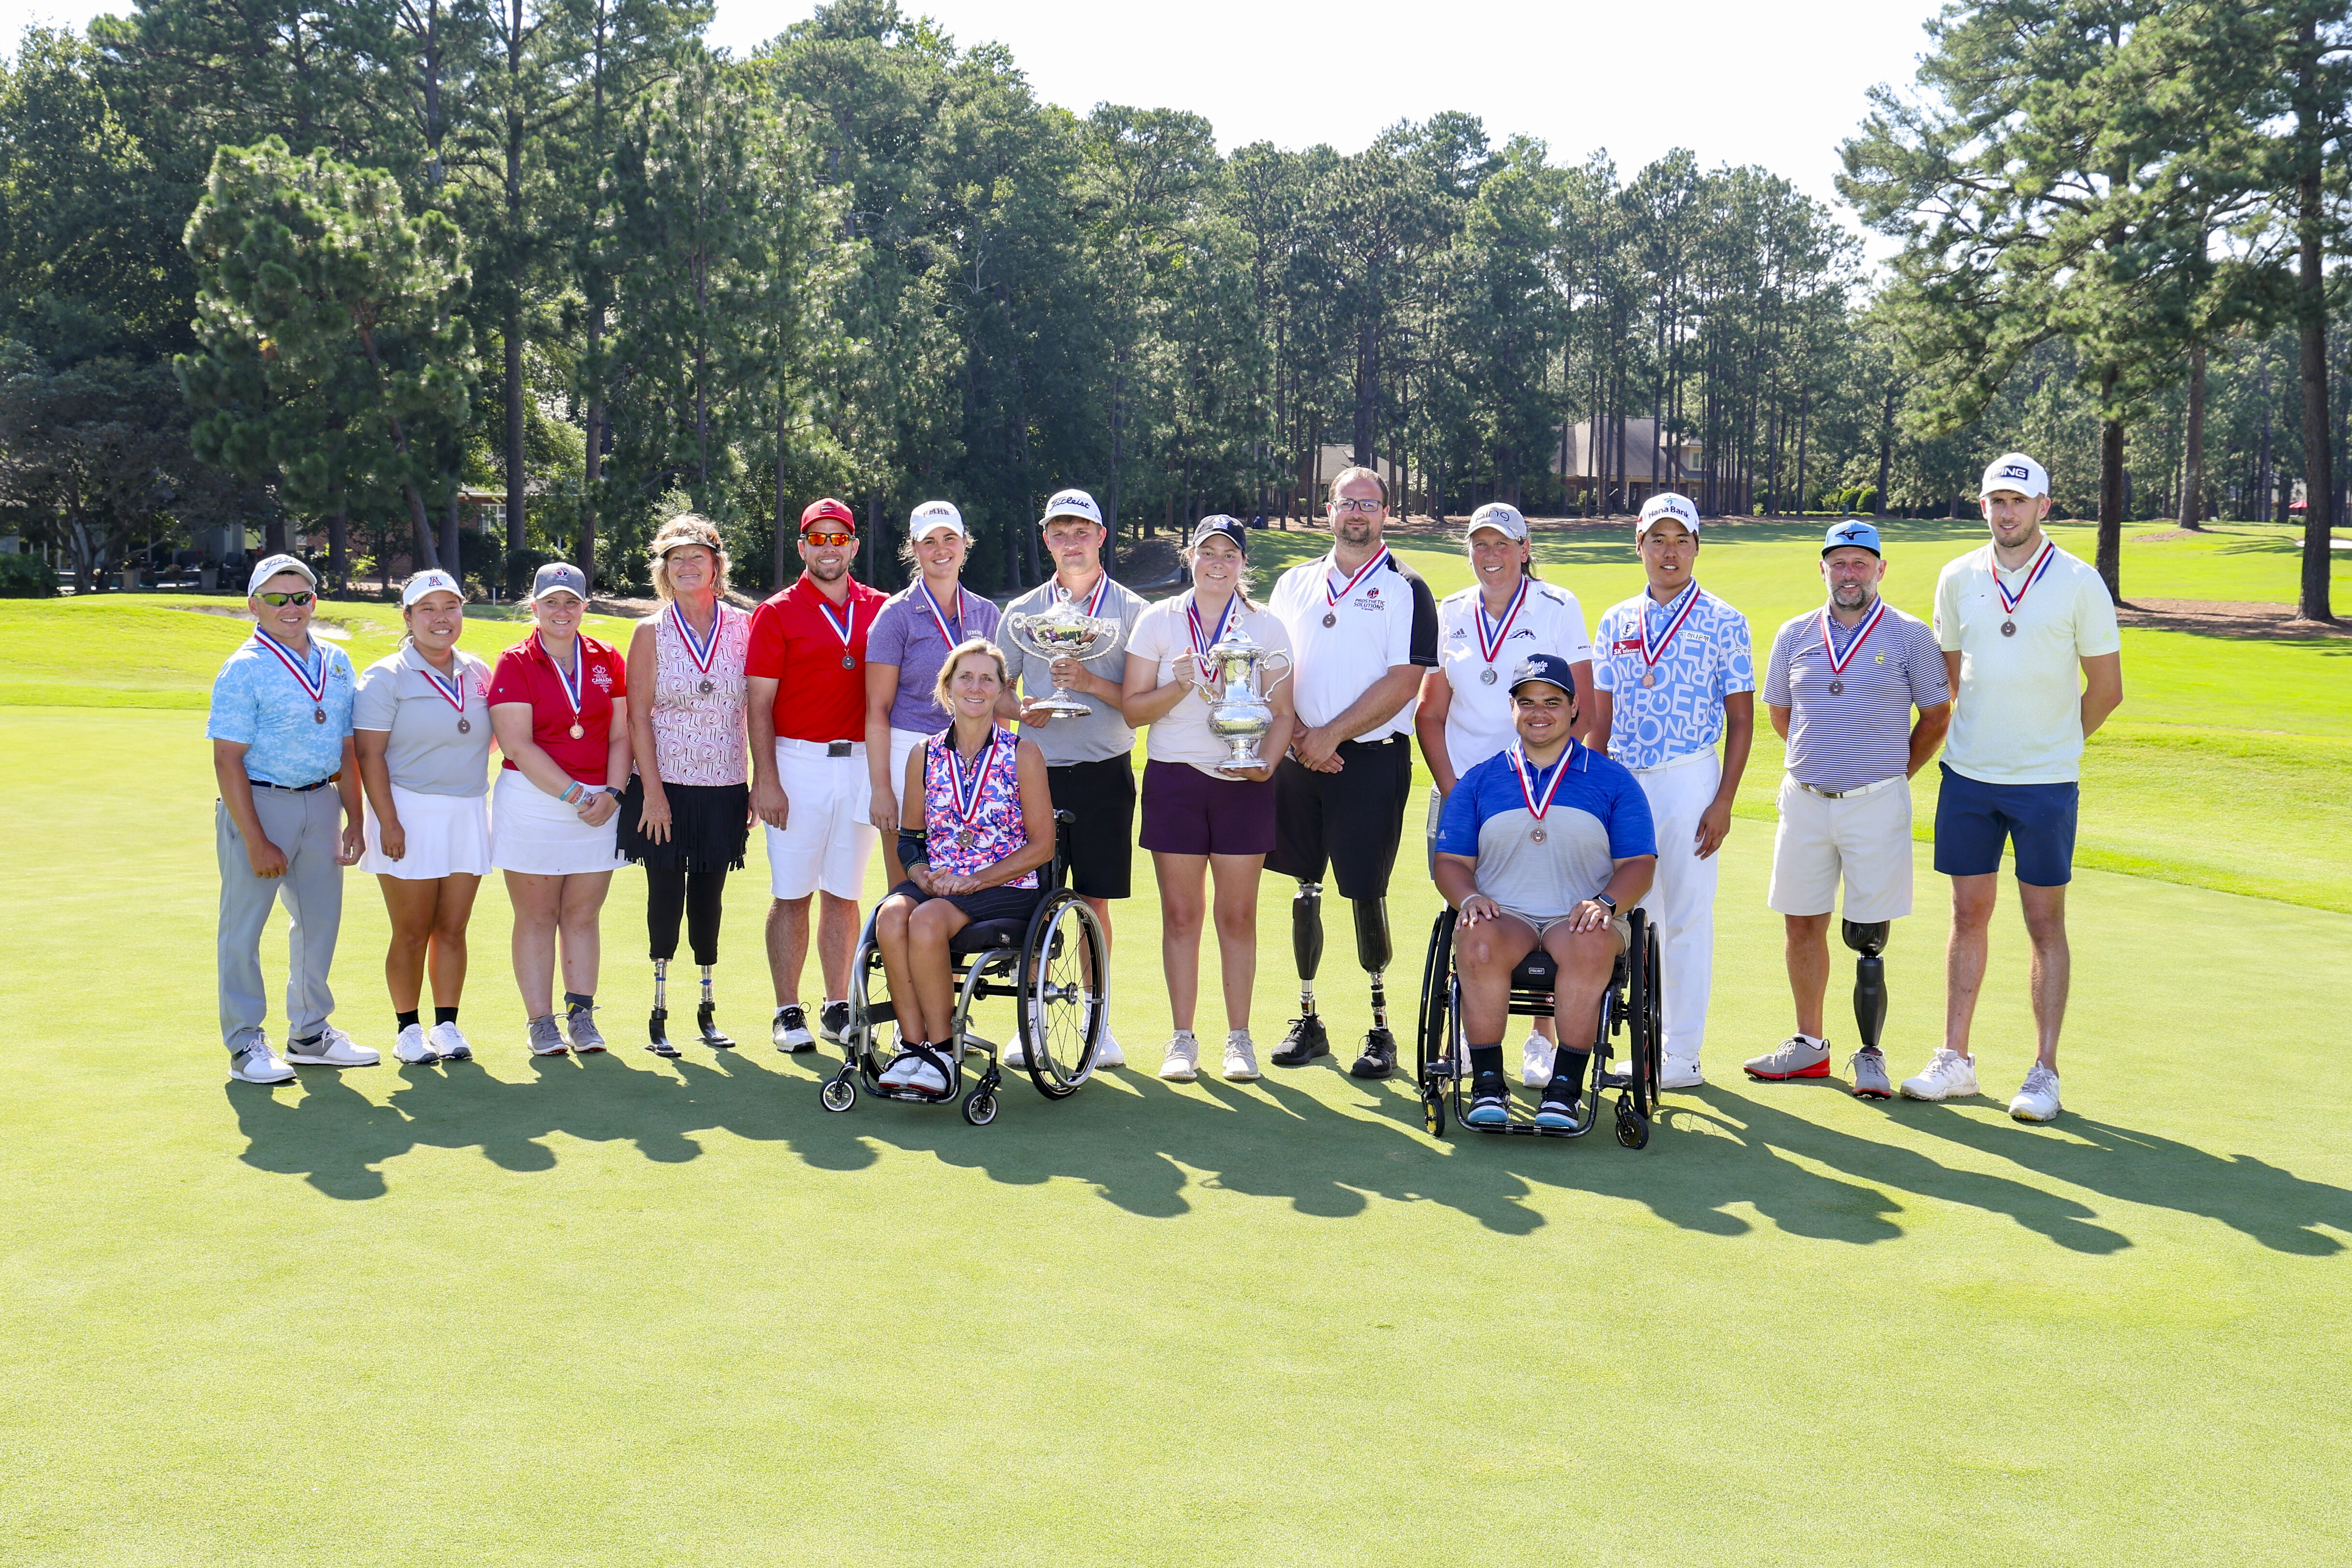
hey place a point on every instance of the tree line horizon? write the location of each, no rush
(328, 268)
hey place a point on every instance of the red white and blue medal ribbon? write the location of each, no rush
(1491, 647)
(845, 628)
(967, 796)
(939, 616)
(1650, 655)
(1095, 599)
(703, 651)
(1861, 635)
(1537, 805)
(314, 688)
(452, 692)
(1331, 599)
(1201, 648)
(2008, 601)
(570, 680)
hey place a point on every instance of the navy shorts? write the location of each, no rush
(1975, 819)
(1186, 812)
(987, 904)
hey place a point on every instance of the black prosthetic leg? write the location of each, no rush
(1869, 978)
(1306, 1039)
(1373, 950)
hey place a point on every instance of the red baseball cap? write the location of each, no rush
(828, 510)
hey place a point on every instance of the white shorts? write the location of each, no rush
(902, 746)
(1864, 839)
(826, 838)
(447, 835)
(534, 833)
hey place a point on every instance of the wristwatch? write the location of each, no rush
(1605, 902)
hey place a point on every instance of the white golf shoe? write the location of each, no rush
(1947, 1075)
(1182, 1062)
(332, 1048)
(2038, 1100)
(1107, 1051)
(1680, 1072)
(1535, 1061)
(258, 1064)
(412, 1047)
(451, 1045)
(1241, 1057)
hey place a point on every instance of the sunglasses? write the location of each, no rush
(277, 600)
(810, 536)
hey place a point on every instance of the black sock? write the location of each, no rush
(444, 1014)
(1484, 1059)
(1571, 1065)
(576, 1001)
(405, 1019)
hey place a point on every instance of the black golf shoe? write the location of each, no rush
(1303, 1044)
(1379, 1059)
(1490, 1102)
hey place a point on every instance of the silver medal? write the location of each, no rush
(707, 687)
(847, 662)
(1837, 687)
(1486, 676)
(465, 726)
(2009, 628)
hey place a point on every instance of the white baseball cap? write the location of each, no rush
(1666, 507)
(1503, 518)
(2015, 471)
(1072, 503)
(433, 581)
(934, 515)
(270, 566)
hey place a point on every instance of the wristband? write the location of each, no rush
(571, 792)
(914, 847)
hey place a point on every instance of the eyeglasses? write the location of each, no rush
(1349, 503)
(276, 600)
(811, 537)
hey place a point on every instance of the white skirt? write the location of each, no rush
(534, 833)
(448, 834)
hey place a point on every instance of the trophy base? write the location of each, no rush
(1238, 766)
(1059, 706)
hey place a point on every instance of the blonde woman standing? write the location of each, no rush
(686, 815)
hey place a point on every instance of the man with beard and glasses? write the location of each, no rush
(1840, 687)
(809, 778)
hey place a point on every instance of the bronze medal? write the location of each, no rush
(963, 838)
(1330, 620)
(465, 726)
(1837, 687)
(847, 662)
(1486, 676)
(577, 732)
(1537, 836)
(1649, 678)
(2009, 628)
(707, 687)
(318, 715)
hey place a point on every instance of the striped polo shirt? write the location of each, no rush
(1846, 739)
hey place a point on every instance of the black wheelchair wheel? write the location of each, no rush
(1653, 1015)
(838, 1094)
(1433, 1108)
(980, 1108)
(1059, 1014)
(1632, 1127)
(1437, 975)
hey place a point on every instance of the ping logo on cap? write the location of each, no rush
(2016, 472)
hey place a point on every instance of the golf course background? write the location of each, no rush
(554, 1310)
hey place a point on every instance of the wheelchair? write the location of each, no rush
(1041, 963)
(1629, 1008)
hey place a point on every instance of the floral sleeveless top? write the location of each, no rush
(959, 848)
(699, 736)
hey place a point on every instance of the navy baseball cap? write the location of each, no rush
(1544, 667)
(1229, 527)
(1853, 532)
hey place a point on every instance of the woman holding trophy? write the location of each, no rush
(1205, 671)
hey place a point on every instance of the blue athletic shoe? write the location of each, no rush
(1490, 1102)
(1558, 1115)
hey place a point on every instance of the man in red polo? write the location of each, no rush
(808, 766)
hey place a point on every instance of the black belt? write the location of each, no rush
(295, 789)
(837, 748)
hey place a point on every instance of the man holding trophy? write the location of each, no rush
(1207, 675)
(1065, 644)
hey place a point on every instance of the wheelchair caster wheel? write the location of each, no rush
(1633, 1128)
(980, 1108)
(1432, 1113)
(838, 1094)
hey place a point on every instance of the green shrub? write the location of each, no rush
(26, 577)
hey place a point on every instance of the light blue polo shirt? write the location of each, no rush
(257, 703)
(1599, 816)
(1707, 660)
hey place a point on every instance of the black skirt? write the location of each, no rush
(709, 826)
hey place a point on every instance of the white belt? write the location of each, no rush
(1685, 759)
(1858, 791)
(817, 748)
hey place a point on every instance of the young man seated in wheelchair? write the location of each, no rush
(976, 822)
(1543, 845)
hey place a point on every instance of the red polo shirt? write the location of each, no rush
(525, 674)
(819, 701)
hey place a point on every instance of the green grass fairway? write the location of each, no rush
(633, 1312)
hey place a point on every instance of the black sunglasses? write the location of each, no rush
(275, 600)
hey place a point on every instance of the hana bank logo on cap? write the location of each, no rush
(934, 515)
(1666, 507)
(2015, 471)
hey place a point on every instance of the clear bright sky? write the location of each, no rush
(1735, 81)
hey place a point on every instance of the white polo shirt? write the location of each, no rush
(2019, 718)
(1478, 721)
(1388, 618)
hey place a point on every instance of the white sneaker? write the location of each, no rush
(1680, 1072)
(412, 1048)
(1535, 1061)
(1183, 1063)
(1016, 1054)
(1241, 1057)
(1947, 1074)
(894, 1076)
(258, 1064)
(923, 1075)
(332, 1050)
(1107, 1051)
(546, 1037)
(2038, 1100)
(448, 1043)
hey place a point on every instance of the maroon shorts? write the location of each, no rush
(1186, 812)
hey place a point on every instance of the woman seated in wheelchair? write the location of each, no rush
(1545, 843)
(975, 823)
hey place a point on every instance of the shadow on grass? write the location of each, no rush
(1716, 1157)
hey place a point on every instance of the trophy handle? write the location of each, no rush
(1281, 671)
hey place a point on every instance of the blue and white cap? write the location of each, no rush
(934, 515)
(1667, 506)
(1503, 518)
(1072, 503)
(2015, 471)
(1549, 668)
(1853, 532)
(435, 581)
(271, 565)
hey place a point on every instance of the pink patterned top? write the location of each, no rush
(698, 730)
(996, 829)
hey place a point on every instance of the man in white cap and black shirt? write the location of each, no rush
(1089, 757)
(1362, 626)
(2036, 663)
(283, 753)
(1674, 675)
(1840, 687)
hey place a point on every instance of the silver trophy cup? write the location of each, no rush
(1239, 715)
(1062, 631)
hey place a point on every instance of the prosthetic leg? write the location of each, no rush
(1869, 978)
(1373, 952)
(1306, 1039)
(658, 1025)
(707, 1016)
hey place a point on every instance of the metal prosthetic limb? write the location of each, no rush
(1869, 978)
(707, 1016)
(658, 1025)
(1306, 941)
(1373, 952)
